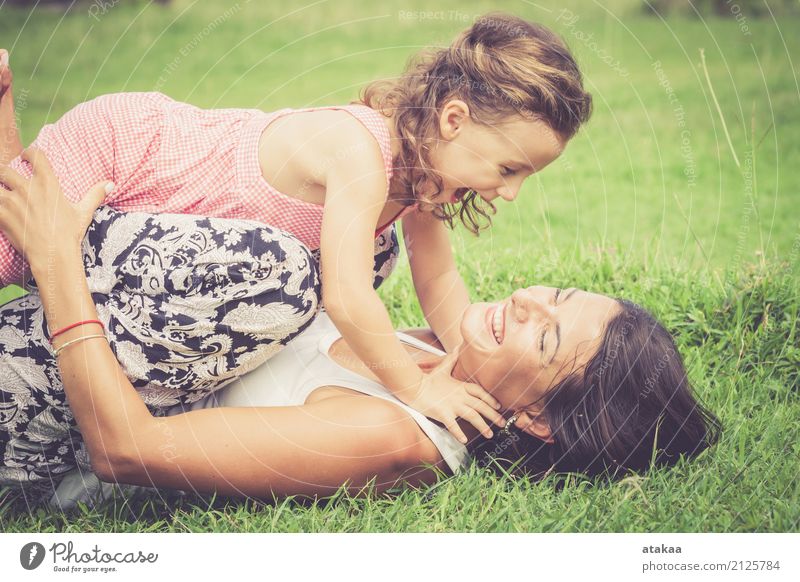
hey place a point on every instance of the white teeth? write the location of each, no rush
(497, 324)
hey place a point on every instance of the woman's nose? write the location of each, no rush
(528, 304)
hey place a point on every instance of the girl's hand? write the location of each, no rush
(443, 398)
(35, 215)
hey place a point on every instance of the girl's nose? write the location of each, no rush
(488, 195)
(507, 193)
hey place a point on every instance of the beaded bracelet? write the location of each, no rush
(80, 339)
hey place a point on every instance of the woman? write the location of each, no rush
(589, 384)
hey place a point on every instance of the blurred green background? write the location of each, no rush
(681, 193)
(652, 177)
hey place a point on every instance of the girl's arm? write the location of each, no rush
(354, 198)
(310, 449)
(440, 288)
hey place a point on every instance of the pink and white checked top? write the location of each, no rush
(167, 156)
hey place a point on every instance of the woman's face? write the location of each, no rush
(492, 161)
(520, 347)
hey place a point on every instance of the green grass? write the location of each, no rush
(715, 260)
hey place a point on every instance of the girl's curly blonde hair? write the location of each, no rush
(501, 66)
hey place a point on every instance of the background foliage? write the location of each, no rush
(680, 194)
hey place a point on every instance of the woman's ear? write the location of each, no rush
(534, 424)
(454, 113)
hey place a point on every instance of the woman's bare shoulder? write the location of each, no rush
(402, 437)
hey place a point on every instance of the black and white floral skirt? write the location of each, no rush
(189, 304)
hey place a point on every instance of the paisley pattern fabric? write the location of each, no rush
(189, 304)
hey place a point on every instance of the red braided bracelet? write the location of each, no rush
(74, 325)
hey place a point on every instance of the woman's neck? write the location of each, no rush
(341, 353)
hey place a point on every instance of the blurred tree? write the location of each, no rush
(723, 8)
(66, 3)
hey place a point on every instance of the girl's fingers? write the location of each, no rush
(479, 391)
(456, 431)
(476, 420)
(3, 58)
(488, 412)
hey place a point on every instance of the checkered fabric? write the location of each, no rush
(167, 156)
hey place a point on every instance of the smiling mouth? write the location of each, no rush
(496, 322)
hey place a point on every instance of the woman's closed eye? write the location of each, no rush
(546, 328)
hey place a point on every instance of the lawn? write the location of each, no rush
(677, 195)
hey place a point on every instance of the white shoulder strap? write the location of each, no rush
(417, 343)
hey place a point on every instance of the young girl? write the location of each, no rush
(463, 125)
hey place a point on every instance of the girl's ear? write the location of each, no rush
(454, 113)
(534, 424)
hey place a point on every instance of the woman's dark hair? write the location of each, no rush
(632, 408)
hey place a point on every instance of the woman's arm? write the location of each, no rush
(440, 288)
(311, 449)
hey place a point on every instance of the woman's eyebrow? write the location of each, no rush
(558, 327)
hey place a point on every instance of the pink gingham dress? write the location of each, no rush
(167, 156)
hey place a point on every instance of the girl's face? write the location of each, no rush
(519, 347)
(493, 161)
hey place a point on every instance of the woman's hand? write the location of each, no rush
(35, 215)
(443, 398)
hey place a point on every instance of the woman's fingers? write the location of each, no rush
(11, 178)
(91, 201)
(5, 79)
(39, 162)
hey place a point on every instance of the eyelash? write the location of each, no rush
(506, 171)
(544, 331)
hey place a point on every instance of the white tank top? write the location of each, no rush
(304, 365)
(286, 379)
